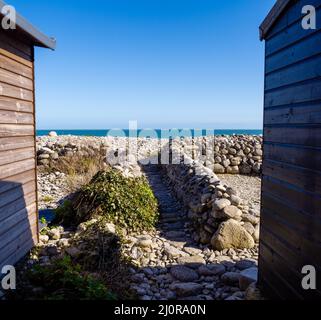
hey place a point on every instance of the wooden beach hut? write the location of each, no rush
(291, 188)
(18, 181)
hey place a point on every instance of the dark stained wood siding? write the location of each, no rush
(18, 186)
(291, 186)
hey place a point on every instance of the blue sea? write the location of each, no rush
(104, 133)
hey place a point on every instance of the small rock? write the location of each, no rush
(54, 234)
(186, 289)
(184, 274)
(218, 168)
(230, 278)
(192, 251)
(53, 134)
(245, 264)
(44, 238)
(221, 204)
(211, 270)
(249, 218)
(232, 212)
(173, 252)
(192, 261)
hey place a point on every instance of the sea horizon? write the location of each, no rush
(187, 132)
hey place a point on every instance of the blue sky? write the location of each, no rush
(164, 63)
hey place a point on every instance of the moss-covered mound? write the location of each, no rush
(127, 202)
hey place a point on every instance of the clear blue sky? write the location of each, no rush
(165, 63)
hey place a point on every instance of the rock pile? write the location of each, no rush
(190, 274)
(50, 148)
(218, 214)
(240, 154)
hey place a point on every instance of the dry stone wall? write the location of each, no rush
(240, 154)
(218, 215)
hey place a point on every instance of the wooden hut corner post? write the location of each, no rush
(291, 183)
(18, 178)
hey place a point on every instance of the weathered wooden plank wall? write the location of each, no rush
(291, 187)
(18, 205)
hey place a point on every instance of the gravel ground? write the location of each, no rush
(248, 187)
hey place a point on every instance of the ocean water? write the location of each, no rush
(152, 133)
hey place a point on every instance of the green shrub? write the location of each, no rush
(64, 214)
(127, 202)
(64, 280)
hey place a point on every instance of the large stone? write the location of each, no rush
(186, 289)
(232, 212)
(247, 277)
(245, 264)
(184, 274)
(211, 270)
(232, 170)
(236, 200)
(218, 168)
(249, 218)
(249, 228)
(53, 134)
(231, 234)
(230, 278)
(192, 250)
(245, 168)
(191, 261)
(173, 252)
(221, 204)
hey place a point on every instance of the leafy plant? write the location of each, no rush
(64, 280)
(64, 214)
(127, 202)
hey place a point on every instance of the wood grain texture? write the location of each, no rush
(15, 79)
(18, 184)
(15, 194)
(286, 38)
(305, 113)
(306, 135)
(8, 63)
(11, 182)
(18, 243)
(14, 143)
(11, 156)
(11, 117)
(290, 16)
(15, 219)
(16, 105)
(294, 54)
(11, 91)
(10, 130)
(12, 169)
(290, 234)
(20, 246)
(17, 205)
